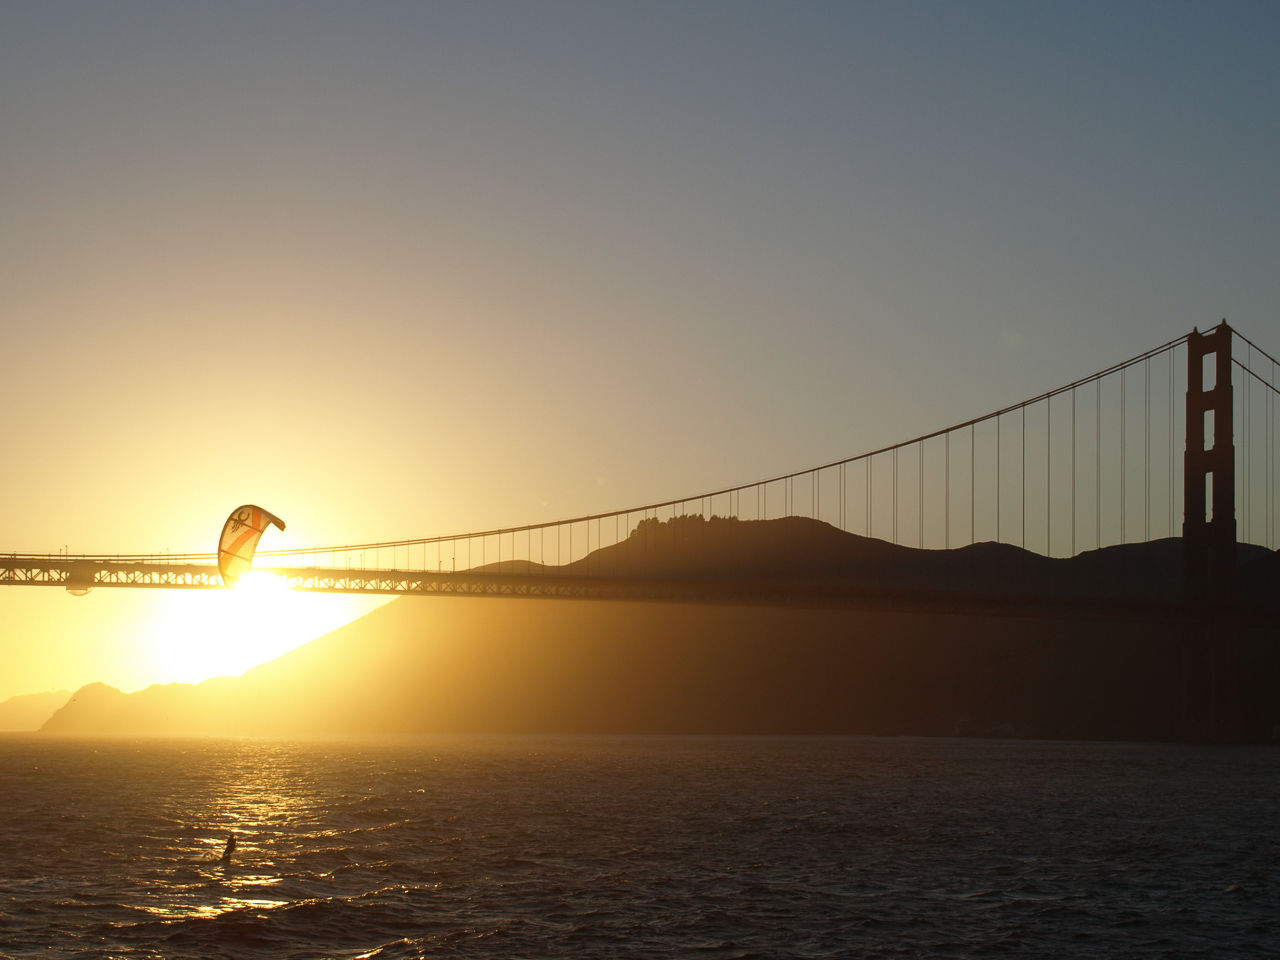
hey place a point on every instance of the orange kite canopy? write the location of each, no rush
(240, 536)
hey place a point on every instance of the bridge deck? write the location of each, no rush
(80, 574)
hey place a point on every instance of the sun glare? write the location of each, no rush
(226, 632)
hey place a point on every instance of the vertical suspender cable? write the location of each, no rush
(997, 478)
(1024, 478)
(1124, 399)
(895, 494)
(1266, 469)
(973, 524)
(920, 491)
(1146, 449)
(1242, 453)
(1246, 382)
(1097, 464)
(1171, 415)
(1048, 476)
(946, 492)
(1073, 471)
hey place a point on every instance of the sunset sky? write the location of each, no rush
(395, 270)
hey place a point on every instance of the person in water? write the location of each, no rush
(231, 848)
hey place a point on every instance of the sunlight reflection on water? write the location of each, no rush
(642, 847)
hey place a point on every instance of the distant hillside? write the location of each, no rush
(444, 665)
(29, 712)
(803, 549)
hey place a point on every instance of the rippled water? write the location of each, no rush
(637, 847)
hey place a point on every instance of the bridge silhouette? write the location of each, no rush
(1086, 466)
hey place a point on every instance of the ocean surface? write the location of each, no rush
(637, 847)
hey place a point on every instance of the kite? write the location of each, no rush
(240, 536)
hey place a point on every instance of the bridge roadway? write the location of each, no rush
(78, 575)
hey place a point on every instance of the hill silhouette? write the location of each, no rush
(456, 665)
(804, 550)
(30, 711)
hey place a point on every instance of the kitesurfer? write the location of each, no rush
(231, 848)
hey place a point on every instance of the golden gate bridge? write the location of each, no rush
(1090, 464)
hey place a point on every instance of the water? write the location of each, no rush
(637, 847)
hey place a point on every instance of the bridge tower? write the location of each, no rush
(1210, 701)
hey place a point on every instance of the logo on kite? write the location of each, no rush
(239, 541)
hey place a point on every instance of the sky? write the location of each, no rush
(398, 270)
